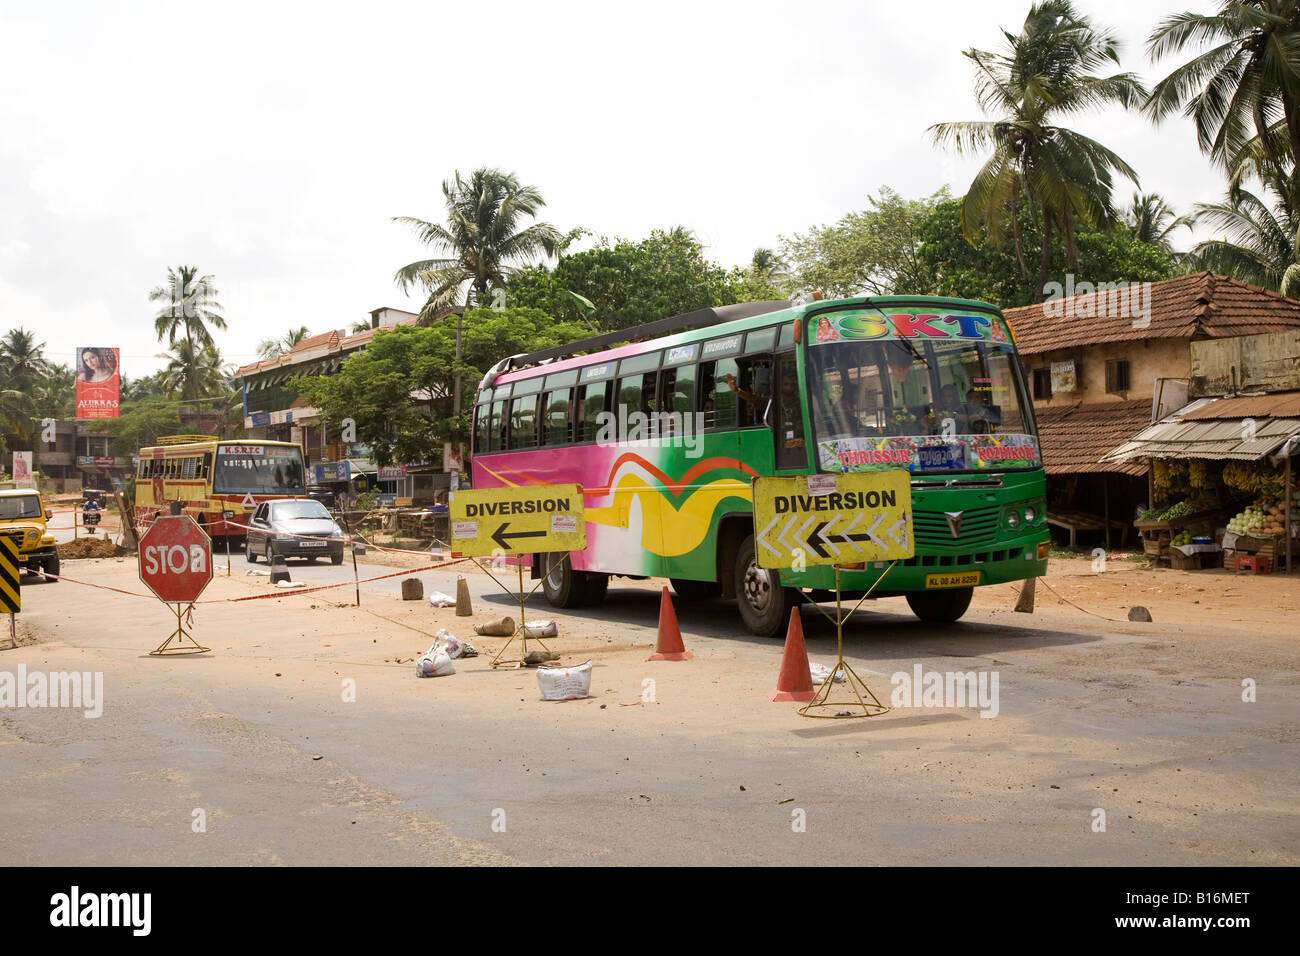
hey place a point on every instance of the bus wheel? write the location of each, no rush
(940, 607)
(597, 586)
(764, 604)
(696, 590)
(564, 587)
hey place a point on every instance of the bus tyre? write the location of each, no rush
(563, 586)
(696, 590)
(597, 586)
(764, 604)
(940, 607)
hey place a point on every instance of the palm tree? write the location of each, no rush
(768, 262)
(189, 306)
(1045, 71)
(1152, 220)
(1243, 92)
(270, 348)
(1261, 244)
(484, 238)
(22, 359)
(193, 372)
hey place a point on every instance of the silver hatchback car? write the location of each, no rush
(294, 527)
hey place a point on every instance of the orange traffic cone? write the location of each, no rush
(669, 646)
(795, 680)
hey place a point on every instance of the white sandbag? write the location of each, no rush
(434, 663)
(821, 673)
(540, 629)
(438, 599)
(565, 683)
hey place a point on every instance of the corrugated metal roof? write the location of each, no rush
(1218, 439)
(1275, 405)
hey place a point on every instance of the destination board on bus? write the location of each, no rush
(519, 520)
(833, 519)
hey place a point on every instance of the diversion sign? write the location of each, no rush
(833, 519)
(524, 520)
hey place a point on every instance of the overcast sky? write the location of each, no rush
(270, 144)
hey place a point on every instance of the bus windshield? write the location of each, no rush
(259, 470)
(929, 404)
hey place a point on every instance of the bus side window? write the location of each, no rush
(677, 390)
(753, 405)
(496, 433)
(593, 401)
(719, 398)
(523, 421)
(480, 428)
(558, 410)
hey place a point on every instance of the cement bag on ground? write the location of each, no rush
(820, 673)
(565, 683)
(541, 629)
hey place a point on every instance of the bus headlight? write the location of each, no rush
(1030, 515)
(1013, 519)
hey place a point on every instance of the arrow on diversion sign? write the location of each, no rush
(503, 539)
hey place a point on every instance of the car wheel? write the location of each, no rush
(51, 566)
(563, 586)
(940, 607)
(270, 552)
(763, 602)
(336, 558)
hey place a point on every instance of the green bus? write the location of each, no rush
(666, 425)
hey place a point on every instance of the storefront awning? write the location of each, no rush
(1244, 428)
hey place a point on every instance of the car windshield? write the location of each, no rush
(20, 506)
(288, 510)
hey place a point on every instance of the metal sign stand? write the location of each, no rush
(179, 636)
(861, 692)
(519, 631)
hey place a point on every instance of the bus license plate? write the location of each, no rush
(965, 579)
(942, 457)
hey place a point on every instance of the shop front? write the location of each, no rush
(1223, 483)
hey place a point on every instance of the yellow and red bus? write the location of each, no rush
(218, 482)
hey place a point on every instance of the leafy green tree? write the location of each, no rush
(399, 390)
(270, 348)
(1044, 72)
(874, 251)
(193, 374)
(1243, 93)
(140, 423)
(992, 274)
(627, 283)
(22, 358)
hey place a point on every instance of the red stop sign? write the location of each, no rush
(176, 559)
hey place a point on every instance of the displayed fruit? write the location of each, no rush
(1182, 537)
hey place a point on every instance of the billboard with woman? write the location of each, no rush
(97, 383)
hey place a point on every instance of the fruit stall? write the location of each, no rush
(1224, 514)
